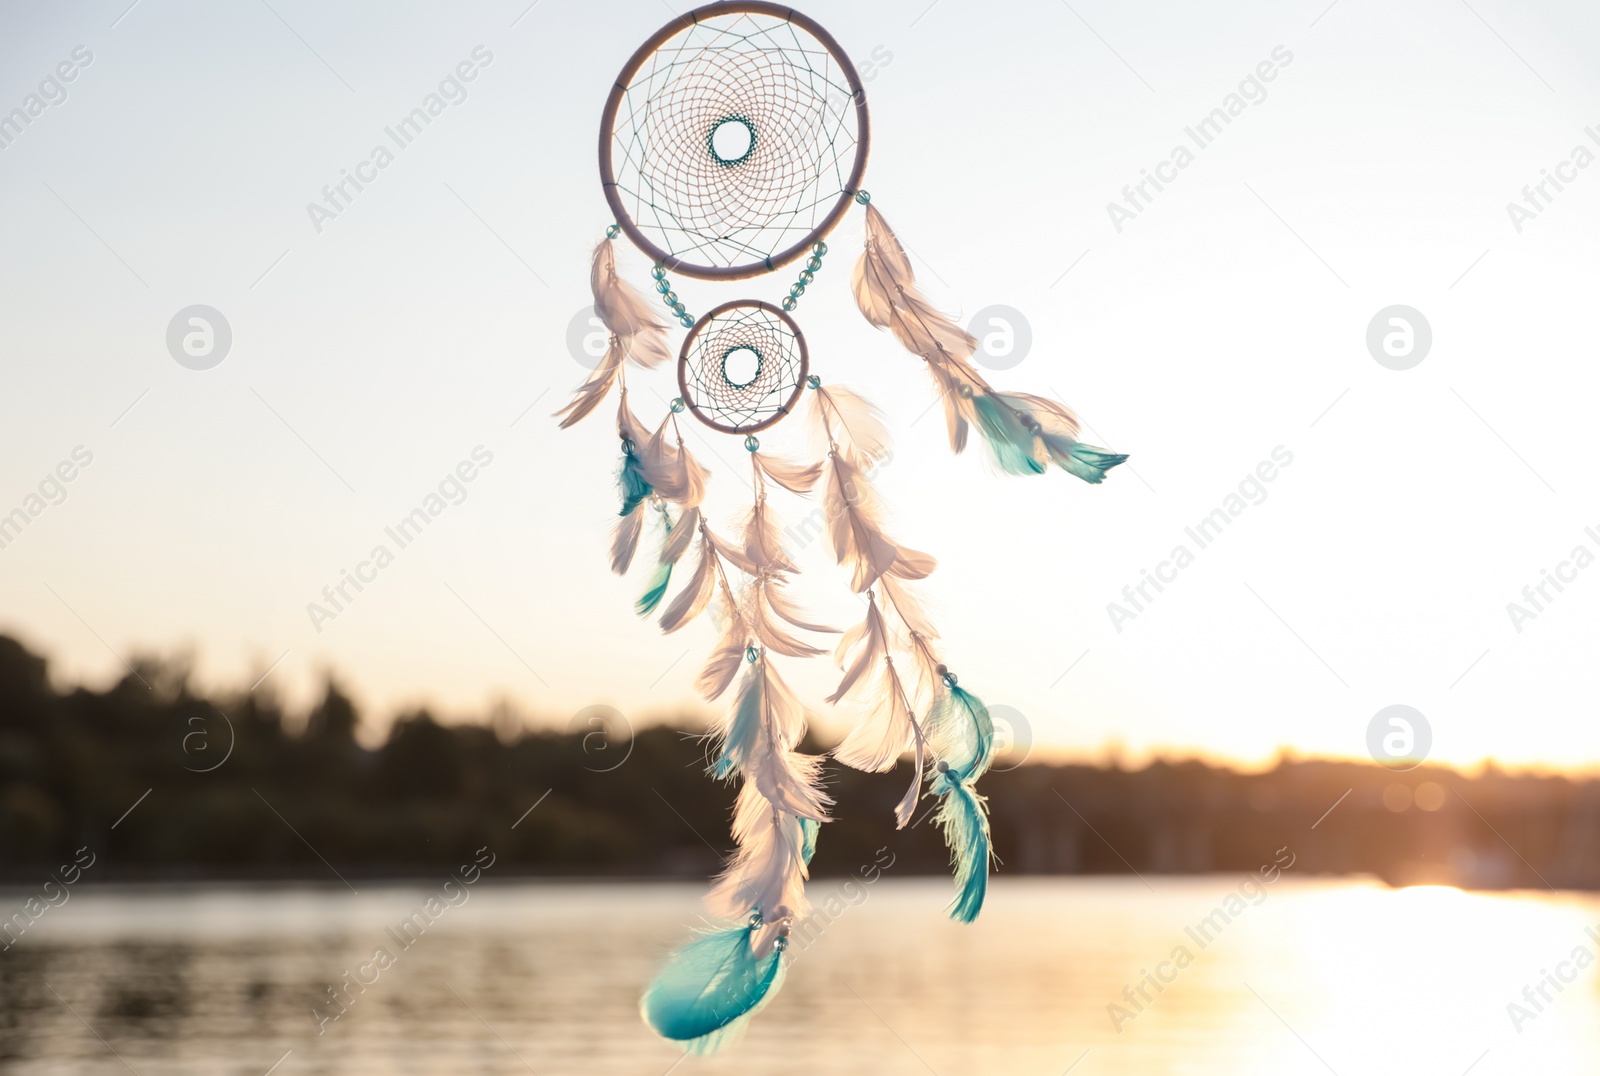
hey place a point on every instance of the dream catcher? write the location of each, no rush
(732, 143)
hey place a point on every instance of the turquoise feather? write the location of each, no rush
(710, 989)
(1009, 441)
(1019, 448)
(808, 846)
(961, 733)
(964, 817)
(660, 578)
(632, 482)
(1085, 461)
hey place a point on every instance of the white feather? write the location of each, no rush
(856, 528)
(851, 422)
(670, 469)
(726, 659)
(682, 535)
(769, 870)
(758, 604)
(794, 477)
(594, 389)
(625, 312)
(886, 291)
(885, 730)
(865, 647)
(763, 544)
(908, 803)
(625, 539)
(692, 599)
(763, 752)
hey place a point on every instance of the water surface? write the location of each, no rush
(1341, 976)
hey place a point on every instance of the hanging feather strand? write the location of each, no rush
(1025, 434)
(709, 988)
(957, 732)
(888, 728)
(633, 334)
(960, 735)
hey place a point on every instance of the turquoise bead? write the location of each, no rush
(680, 310)
(814, 264)
(751, 654)
(813, 381)
(820, 249)
(807, 276)
(659, 271)
(663, 287)
(750, 442)
(863, 197)
(686, 321)
(788, 302)
(677, 405)
(669, 297)
(797, 290)
(613, 231)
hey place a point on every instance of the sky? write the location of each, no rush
(1218, 334)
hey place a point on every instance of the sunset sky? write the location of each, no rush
(1222, 327)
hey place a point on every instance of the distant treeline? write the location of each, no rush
(238, 790)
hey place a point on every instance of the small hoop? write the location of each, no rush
(782, 365)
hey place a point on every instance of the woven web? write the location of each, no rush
(717, 365)
(786, 88)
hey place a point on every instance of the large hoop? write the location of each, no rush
(751, 65)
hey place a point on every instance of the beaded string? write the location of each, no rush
(814, 265)
(670, 297)
(807, 275)
(663, 286)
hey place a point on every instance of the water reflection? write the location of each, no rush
(1347, 977)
